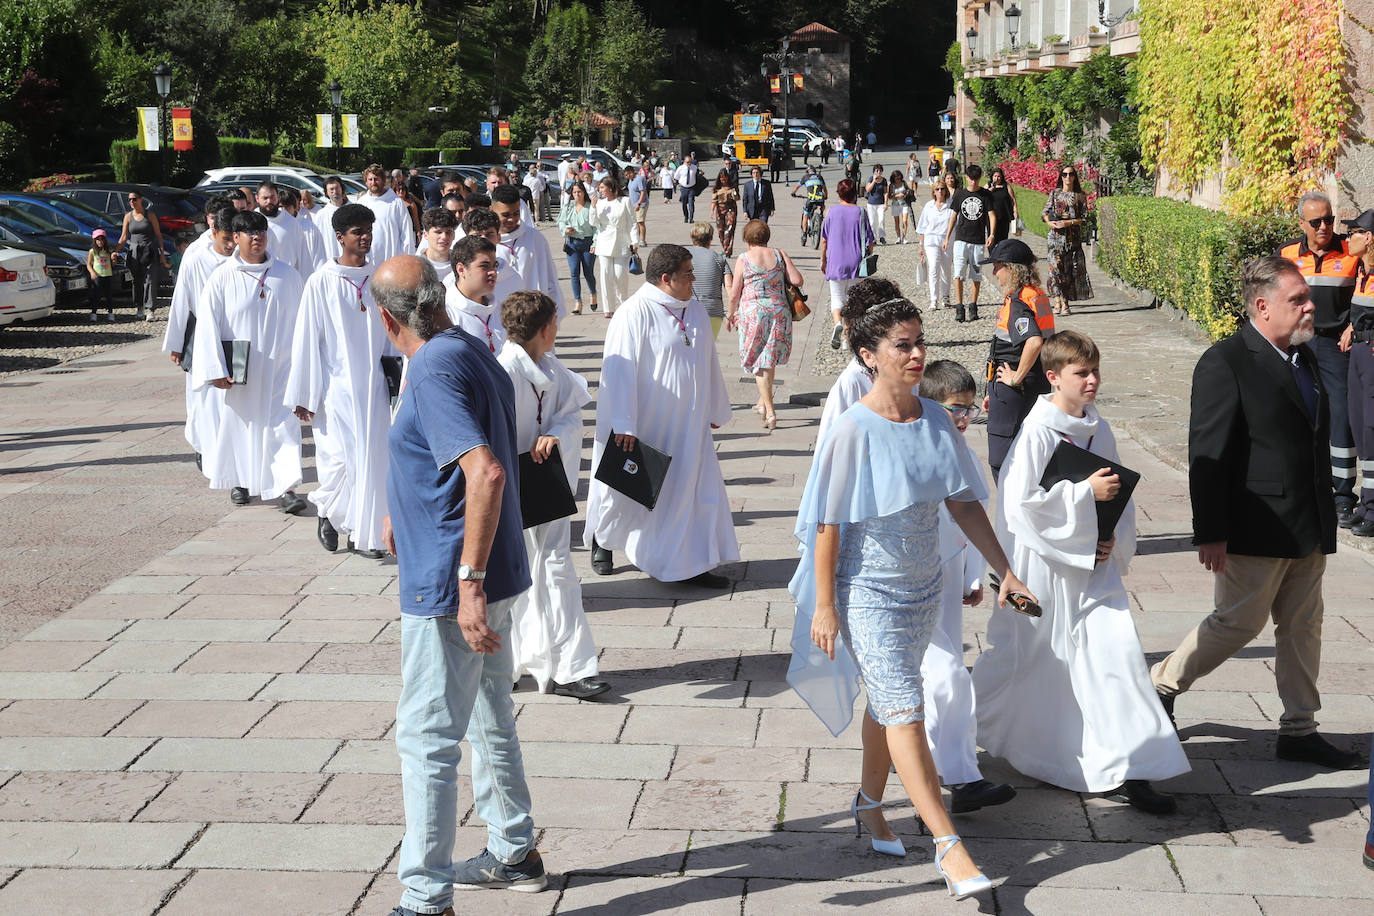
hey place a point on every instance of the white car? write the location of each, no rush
(290, 176)
(26, 292)
(797, 137)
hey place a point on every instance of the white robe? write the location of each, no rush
(312, 246)
(323, 221)
(443, 269)
(336, 373)
(257, 444)
(286, 241)
(481, 320)
(526, 252)
(1067, 698)
(203, 405)
(392, 233)
(550, 636)
(658, 389)
(854, 382)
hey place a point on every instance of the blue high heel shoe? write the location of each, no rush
(892, 847)
(958, 889)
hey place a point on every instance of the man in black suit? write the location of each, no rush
(1264, 515)
(758, 196)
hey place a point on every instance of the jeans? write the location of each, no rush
(101, 288)
(689, 203)
(581, 259)
(1334, 368)
(448, 692)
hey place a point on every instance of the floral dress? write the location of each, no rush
(765, 321)
(1068, 277)
(725, 208)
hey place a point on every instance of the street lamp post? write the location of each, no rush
(971, 37)
(162, 80)
(785, 74)
(335, 100)
(1013, 16)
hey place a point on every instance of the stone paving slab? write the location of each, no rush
(293, 847)
(93, 845)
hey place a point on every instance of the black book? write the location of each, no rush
(188, 342)
(392, 369)
(1074, 464)
(236, 360)
(638, 473)
(544, 491)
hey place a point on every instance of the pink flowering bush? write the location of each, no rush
(1043, 174)
(48, 181)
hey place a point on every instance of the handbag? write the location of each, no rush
(868, 266)
(794, 297)
(635, 267)
(1018, 227)
(567, 247)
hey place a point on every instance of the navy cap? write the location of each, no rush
(1011, 251)
(1364, 221)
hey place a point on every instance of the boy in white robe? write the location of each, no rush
(256, 449)
(525, 248)
(661, 382)
(1067, 698)
(203, 405)
(287, 243)
(438, 224)
(469, 292)
(550, 637)
(323, 217)
(392, 232)
(312, 248)
(338, 386)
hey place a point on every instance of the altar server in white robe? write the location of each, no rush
(1067, 698)
(525, 248)
(337, 385)
(438, 225)
(481, 221)
(204, 404)
(661, 383)
(256, 450)
(287, 242)
(323, 217)
(312, 248)
(550, 636)
(392, 233)
(469, 292)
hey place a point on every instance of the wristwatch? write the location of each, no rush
(467, 574)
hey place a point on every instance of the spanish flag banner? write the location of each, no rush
(148, 129)
(775, 84)
(324, 131)
(503, 133)
(348, 125)
(797, 81)
(181, 128)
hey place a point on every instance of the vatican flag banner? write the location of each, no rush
(348, 124)
(148, 129)
(324, 130)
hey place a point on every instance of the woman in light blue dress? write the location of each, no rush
(868, 585)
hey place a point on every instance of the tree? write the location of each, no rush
(555, 69)
(262, 97)
(626, 56)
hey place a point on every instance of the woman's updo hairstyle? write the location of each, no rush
(872, 308)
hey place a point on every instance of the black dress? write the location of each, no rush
(1004, 210)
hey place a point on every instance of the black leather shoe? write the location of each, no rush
(1347, 517)
(1314, 748)
(707, 580)
(198, 465)
(1168, 704)
(981, 794)
(973, 312)
(602, 563)
(371, 554)
(959, 315)
(239, 496)
(584, 689)
(293, 504)
(329, 538)
(1363, 528)
(1140, 794)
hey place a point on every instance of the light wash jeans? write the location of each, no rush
(448, 692)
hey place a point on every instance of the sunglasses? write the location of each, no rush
(1068, 174)
(1322, 221)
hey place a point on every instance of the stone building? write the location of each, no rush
(824, 97)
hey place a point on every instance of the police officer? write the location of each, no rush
(1326, 262)
(1358, 340)
(1015, 377)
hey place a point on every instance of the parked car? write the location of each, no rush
(181, 213)
(71, 215)
(65, 269)
(27, 292)
(610, 160)
(798, 138)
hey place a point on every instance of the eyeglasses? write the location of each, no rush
(1322, 221)
(252, 233)
(960, 413)
(134, 197)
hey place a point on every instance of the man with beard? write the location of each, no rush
(525, 249)
(392, 233)
(338, 386)
(1264, 515)
(287, 241)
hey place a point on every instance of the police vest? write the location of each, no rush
(1331, 277)
(1023, 316)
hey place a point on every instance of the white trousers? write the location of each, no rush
(838, 290)
(937, 273)
(612, 281)
(876, 213)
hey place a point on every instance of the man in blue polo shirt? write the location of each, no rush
(456, 532)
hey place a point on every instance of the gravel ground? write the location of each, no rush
(69, 334)
(965, 343)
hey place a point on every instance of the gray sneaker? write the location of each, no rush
(485, 870)
(835, 336)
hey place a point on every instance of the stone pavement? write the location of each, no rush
(207, 725)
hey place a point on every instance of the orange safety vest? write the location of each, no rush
(1331, 277)
(1023, 316)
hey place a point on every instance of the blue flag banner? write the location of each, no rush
(487, 128)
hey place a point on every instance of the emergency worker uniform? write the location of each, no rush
(1023, 316)
(1331, 278)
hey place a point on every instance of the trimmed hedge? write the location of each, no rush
(389, 157)
(1187, 256)
(421, 155)
(244, 151)
(133, 165)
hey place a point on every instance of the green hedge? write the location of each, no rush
(389, 157)
(1187, 256)
(132, 164)
(1030, 204)
(244, 151)
(421, 155)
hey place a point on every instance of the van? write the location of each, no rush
(610, 160)
(799, 123)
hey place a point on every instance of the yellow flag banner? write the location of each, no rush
(775, 84)
(348, 124)
(181, 129)
(148, 129)
(324, 131)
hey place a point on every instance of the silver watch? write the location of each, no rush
(467, 574)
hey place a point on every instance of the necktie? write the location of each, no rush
(1307, 385)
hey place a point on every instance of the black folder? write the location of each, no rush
(392, 370)
(544, 491)
(638, 473)
(188, 341)
(1072, 463)
(236, 360)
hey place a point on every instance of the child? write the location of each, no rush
(1067, 698)
(951, 727)
(100, 265)
(550, 637)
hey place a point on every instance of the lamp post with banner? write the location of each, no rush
(162, 80)
(335, 100)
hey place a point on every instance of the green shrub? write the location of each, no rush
(389, 157)
(244, 151)
(1187, 256)
(132, 164)
(455, 139)
(421, 156)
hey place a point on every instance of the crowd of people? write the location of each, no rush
(416, 348)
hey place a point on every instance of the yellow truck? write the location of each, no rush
(753, 138)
